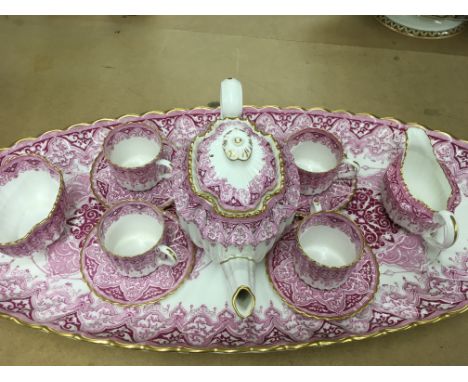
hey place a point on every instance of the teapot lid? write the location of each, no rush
(236, 168)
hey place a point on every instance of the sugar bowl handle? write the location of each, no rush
(231, 98)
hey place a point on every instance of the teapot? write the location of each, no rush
(236, 189)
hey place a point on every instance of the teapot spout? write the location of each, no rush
(240, 275)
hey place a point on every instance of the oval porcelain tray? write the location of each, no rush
(48, 291)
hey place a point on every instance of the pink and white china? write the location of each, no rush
(352, 296)
(336, 197)
(420, 193)
(134, 152)
(49, 293)
(133, 235)
(319, 156)
(235, 190)
(109, 192)
(105, 279)
(330, 244)
(32, 205)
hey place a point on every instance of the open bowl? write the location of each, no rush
(32, 205)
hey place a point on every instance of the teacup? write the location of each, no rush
(320, 159)
(132, 234)
(330, 244)
(134, 151)
(32, 205)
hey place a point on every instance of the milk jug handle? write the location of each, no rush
(450, 230)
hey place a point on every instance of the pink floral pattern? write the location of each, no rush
(109, 192)
(369, 213)
(318, 275)
(139, 178)
(144, 263)
(404, 209)
(228, 195)
(262, 228)
(105, 279)
(336, 197)
(317, 182)
(54, 295)
(349, 298)
(48, 230)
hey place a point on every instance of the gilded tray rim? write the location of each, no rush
(257, 349)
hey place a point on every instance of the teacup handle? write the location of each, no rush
(315, 206)
(170, 253)
(449, 227)
(168, 165)
(352, 173)
(230, 98)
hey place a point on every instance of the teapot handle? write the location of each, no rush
(450, 231)
(231, 98)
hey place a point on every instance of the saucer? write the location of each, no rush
(337, 196)
(107, 283)
(339, 303)
(426, 27)
(109, 192)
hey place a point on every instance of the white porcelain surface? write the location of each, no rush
(238, 264)
(328, 246)
(24, 202)
(422, 173)
(419, 195)
(239, 173)
(313, 156)
(134, 152)
(230, 98)
(198, 316)
(426, 23)
(132, 235)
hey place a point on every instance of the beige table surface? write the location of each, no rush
(57, 71)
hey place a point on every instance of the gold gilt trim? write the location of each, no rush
(243, 349)
(105, 143)
(105, 203)
(246, 289)
(58, 198)
(362, 246)
(412, 32)
(214, 202)
(103, 298)
(455, 228)
(101, 234)
(403, 177)
(336, 318)
(342, 205)
(257, 349)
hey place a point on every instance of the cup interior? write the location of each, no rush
(314, 150)
(330, 241)
(132, 234)
(133, 146)
(25, 201)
